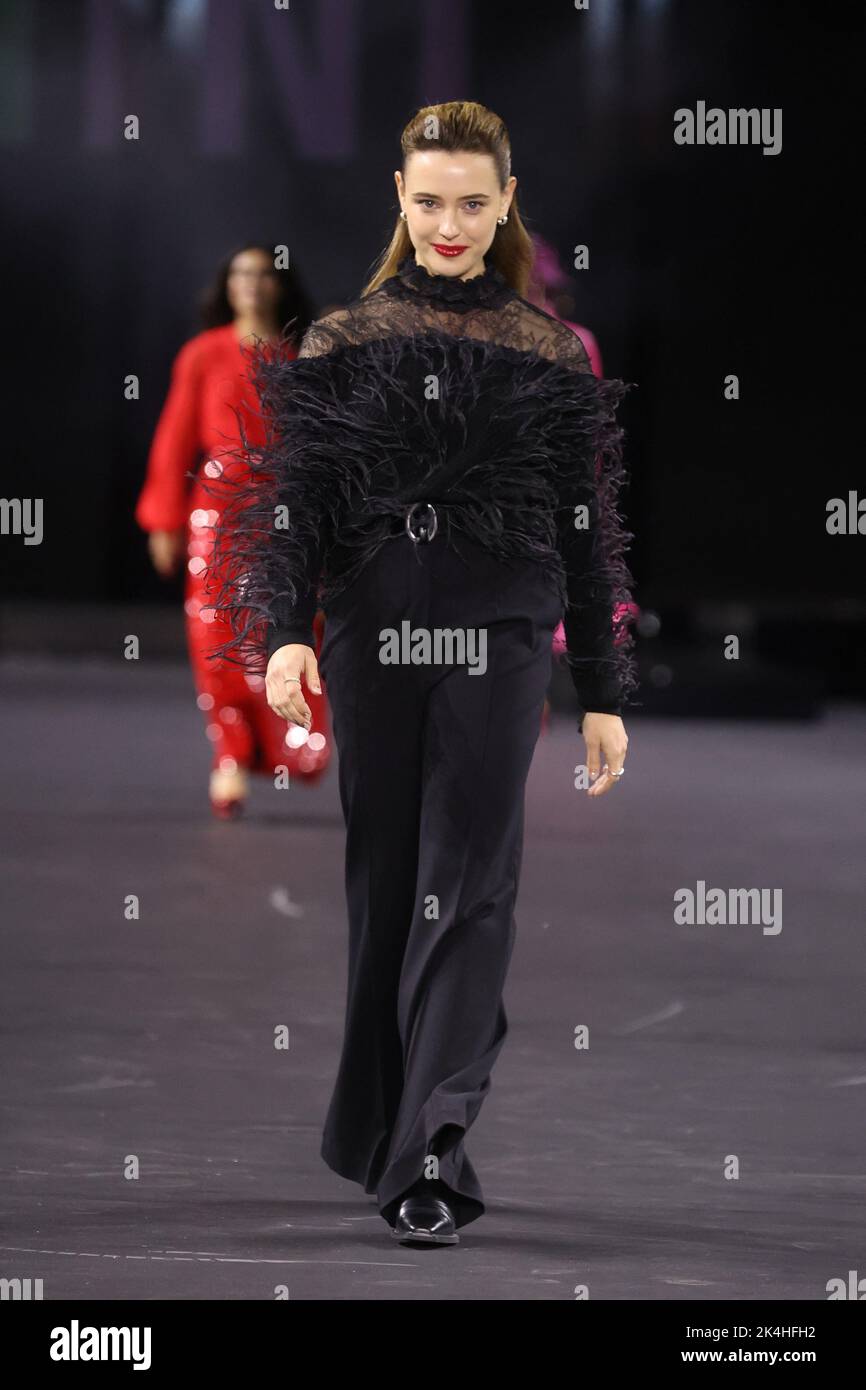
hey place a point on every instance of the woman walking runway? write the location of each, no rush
(441, 473)
(192, 442)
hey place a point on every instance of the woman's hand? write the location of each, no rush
(166, 549)
(283, 686)
(605, 738)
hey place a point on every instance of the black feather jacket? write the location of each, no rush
(432, 388)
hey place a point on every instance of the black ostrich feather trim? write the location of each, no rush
(351, 438)
(490, 288)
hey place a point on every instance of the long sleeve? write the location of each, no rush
(291, 619)
(591, 537)
(275, 508)
(175, 447)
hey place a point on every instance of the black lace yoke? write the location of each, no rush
(439, 389)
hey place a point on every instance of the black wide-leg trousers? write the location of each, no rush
(433, 763)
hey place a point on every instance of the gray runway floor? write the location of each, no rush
(707, 1144)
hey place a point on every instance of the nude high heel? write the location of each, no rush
(228, 792)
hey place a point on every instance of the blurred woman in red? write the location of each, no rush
(200, 425)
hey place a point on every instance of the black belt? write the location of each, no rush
(418, 520)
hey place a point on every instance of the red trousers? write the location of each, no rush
(244, 732)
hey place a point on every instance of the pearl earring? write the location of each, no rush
(502, 220)
(403, 215)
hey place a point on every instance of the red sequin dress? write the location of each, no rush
(197, 428)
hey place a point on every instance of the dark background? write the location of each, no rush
(284, 126)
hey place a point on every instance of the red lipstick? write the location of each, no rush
(449, 250)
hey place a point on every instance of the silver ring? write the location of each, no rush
(286, 679)
(610, 770)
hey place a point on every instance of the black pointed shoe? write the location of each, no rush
(425, 1221)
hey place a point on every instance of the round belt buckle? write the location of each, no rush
(427, 526)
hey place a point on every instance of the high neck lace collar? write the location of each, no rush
(449, 290)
